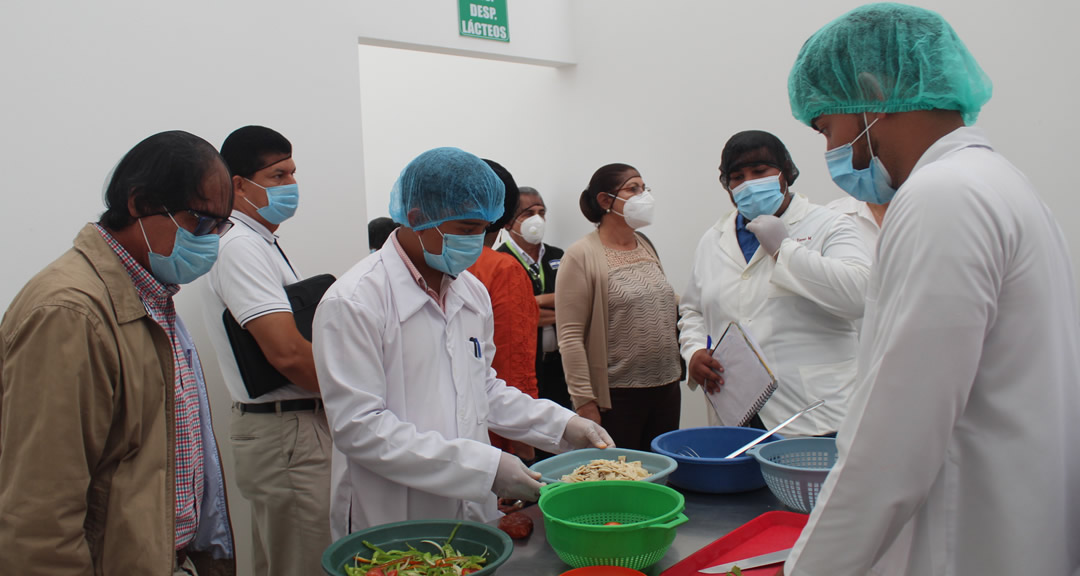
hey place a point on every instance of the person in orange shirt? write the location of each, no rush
(516, 313)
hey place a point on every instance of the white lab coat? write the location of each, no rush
(860, 212)
(410, 402)
(800, 308)
(866, 223)
(963, 430)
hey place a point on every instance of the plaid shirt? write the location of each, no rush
(157, 298)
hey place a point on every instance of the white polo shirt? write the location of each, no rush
(249, 277)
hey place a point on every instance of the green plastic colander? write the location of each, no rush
(575, 516)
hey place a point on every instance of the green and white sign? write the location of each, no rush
(483, 19)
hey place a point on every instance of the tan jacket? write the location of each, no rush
(86, 428)
(581, 317)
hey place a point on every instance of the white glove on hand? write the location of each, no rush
(584, 433)
(514, 481)
(770, 232)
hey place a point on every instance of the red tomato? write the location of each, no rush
(612, 523)
(376, 572)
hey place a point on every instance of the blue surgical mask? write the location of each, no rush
(756, 197)
(281, 202)
(459, 251)
(872, 184)
(191, 257)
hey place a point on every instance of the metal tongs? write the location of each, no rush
(758, 440)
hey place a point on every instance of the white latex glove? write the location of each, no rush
(770, 232)
(584, 433)
(514, 481)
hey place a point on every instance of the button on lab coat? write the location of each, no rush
(800, 308)
(962, 433)
(410, 396)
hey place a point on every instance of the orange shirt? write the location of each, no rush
(516, 318)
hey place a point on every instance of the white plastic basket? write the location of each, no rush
(795, 469)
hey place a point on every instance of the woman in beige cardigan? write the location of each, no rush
(616, 316)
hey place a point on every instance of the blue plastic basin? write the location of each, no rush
(709, 471)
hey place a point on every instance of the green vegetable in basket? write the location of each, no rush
(412, 562)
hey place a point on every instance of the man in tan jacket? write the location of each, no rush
(108, 463)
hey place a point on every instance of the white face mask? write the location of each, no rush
(532, 229)
(638, 211)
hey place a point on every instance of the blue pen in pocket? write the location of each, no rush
(708, 342)
(477, 350)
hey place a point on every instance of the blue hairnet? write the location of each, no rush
(886, 58)
(445, 184)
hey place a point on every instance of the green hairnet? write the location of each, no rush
(886, 58)
(445, 184)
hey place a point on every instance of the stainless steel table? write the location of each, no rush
(711, 516)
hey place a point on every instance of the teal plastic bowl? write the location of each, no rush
(472, 538)
(553, 469)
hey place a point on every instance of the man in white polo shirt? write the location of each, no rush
(280, 438)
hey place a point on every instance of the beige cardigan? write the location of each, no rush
(581, 306)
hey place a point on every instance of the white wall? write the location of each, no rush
(663, 85)
(540, 30)
(657, 84)
(494, 109)
(84, 82)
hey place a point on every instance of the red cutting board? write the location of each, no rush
(769, 532)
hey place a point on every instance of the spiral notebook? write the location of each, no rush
(748, 381)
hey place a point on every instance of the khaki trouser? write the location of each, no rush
(283, 470)
(184, 569)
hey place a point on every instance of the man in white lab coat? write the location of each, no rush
(867, 216)
(403, 349)
(790, 272)
(959, 454)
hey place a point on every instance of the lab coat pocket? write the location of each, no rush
(775, 290)
(478, 373)
(824, 381)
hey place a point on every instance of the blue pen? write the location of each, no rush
(476, 347)
(708, 342)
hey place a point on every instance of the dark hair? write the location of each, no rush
(607, 179)
(511, 198)
(247, 149)
(378, 231)
(752, 148)
(163, 172)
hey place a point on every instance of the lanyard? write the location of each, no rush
(530, 269)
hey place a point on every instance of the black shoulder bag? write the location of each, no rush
(258, 374)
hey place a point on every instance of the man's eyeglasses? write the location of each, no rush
(210, 224)
(204, 223)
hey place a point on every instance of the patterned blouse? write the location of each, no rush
(643, 344)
